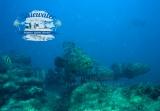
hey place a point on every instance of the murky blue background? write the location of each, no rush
(108, 30)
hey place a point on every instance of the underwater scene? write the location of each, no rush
(80, 55)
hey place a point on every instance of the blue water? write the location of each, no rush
(108, 30)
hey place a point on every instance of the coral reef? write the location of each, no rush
(97, 97)
(75, 67)
(129, 70)
(18, 86)
(76, 62)
(76, 83)
(76, 59)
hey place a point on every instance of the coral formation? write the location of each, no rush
(77, 83)
(97, 97)
(17, 84)
(75, 67)
(129, 70)
(76, 61)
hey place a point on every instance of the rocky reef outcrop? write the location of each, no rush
(78, 77)
(76, 83)
(98, 97)
(129, 70)
(19, 89)
(75, 67)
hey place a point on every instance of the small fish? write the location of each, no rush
(7, 60)
(17, 24)
(58, 23)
